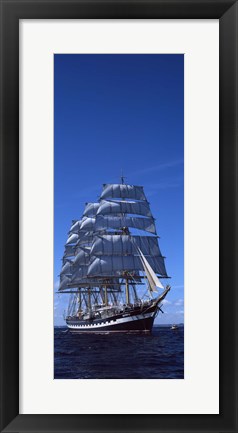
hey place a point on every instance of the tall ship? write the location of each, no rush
(112, 265)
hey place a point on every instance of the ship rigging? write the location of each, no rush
(112, 265)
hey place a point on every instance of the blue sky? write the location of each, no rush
(113, 113)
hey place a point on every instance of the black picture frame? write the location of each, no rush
(11, 12)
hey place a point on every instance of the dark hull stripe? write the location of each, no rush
(136, 326)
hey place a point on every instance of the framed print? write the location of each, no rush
(129, 108)
(102, 354)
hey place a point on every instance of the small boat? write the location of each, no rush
(174, 327)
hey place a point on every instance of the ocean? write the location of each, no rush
(121, 356)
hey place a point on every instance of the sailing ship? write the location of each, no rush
(112, 265)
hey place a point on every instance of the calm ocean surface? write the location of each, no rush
(156, 356)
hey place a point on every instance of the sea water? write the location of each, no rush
(119, 356)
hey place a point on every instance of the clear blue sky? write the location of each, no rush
(115, 112)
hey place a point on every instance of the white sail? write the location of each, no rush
(120, 207)
(148, 245)
(79, 274)
(123, 191)
(91, 209)
(82, 258)
(117, 222)
(152, 277)
(69, 250)
(64, 283)
(88, 224)
(124, 244)
(72, 239)
(66, 269)
(112, 244)
(75, 227)
(85, 238)
(112, 265)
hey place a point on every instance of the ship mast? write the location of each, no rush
(89, 299)
(126, 231)
(79, 302)
(122, 178)
(106, 296)
(127, 291)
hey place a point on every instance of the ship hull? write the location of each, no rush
(124, 323)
